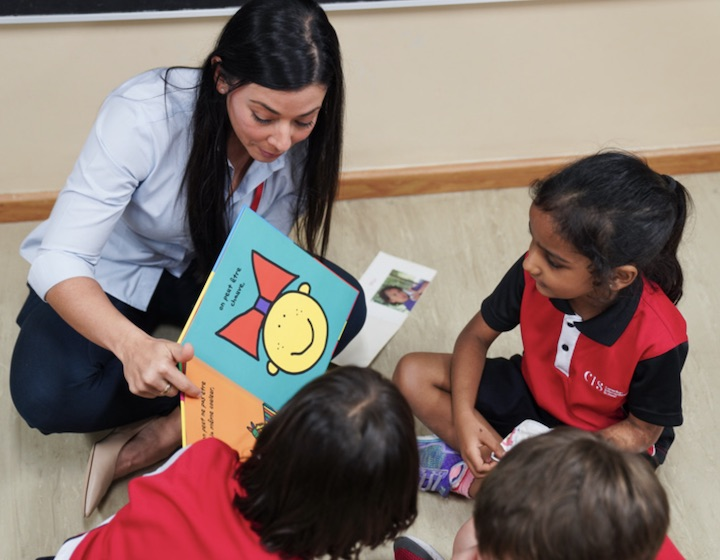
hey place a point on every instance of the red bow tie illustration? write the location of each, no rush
(244, 330)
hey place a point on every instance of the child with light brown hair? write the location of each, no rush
(564, 495)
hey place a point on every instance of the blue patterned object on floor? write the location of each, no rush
(441, 467)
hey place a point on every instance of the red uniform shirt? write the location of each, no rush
(183, 510)
(591, 374)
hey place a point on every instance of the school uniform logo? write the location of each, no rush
(600, 386)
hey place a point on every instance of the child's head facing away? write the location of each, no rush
(570, 495)
(335, 470)
(616, 211)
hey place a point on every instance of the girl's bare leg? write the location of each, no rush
(424, 379)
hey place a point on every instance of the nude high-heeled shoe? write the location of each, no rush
(101, 465)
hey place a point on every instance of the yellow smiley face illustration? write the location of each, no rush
(295, 333)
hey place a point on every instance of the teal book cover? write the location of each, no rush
(270, 314)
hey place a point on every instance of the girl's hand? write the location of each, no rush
(475, 437)
(477, 444)
(150, 367)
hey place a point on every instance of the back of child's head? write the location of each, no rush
(615, 210)
(570, 495)
(335, 470)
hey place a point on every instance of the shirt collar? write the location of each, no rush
(257, 173)
(607, 327)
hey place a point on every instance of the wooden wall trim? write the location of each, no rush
(502, 174)
(26, 207)
(427, 179)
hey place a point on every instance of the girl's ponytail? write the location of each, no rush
(665, 269)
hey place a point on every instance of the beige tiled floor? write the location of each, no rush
(470, 239)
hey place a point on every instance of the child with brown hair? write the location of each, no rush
(566, 495)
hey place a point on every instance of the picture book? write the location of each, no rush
(266, 323)
(392, 287)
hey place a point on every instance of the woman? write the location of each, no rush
(173, 156)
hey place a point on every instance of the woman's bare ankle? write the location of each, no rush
(154, 443)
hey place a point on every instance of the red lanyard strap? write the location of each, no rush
(257, 195)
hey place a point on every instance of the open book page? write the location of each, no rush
(393, 286)
(224, 410)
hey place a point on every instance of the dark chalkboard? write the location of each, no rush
(69, 7)
(136, 8)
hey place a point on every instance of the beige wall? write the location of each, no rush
(439, 85)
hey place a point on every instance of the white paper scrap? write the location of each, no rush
(393, 287)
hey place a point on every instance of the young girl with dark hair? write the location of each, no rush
(603, 343)
(172, 157)
(310, 489)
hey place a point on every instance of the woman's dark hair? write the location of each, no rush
(615, 210)
(282, 45)
(335, 470)
(570, 495)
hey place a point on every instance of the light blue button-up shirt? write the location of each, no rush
(121, 216)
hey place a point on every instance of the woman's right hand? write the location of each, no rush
(150, 366)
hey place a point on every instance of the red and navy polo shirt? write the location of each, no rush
(185, 509)
(591, 374)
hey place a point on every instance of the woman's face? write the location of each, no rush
(269, 122)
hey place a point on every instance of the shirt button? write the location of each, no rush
(565, 347)
(571, 324)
